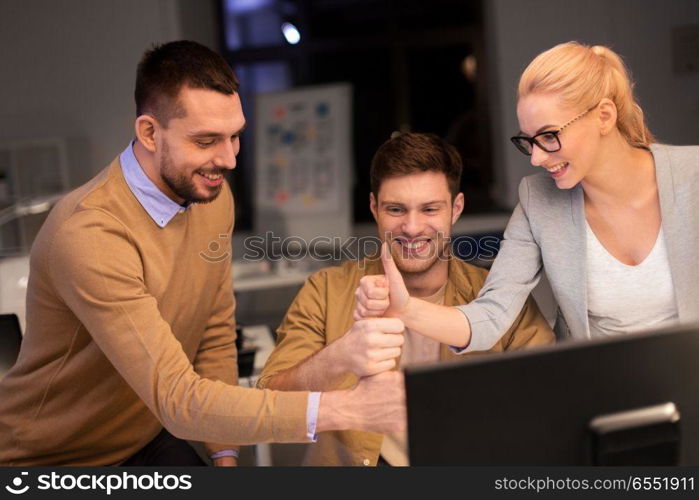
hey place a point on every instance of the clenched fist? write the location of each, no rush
(371, 346)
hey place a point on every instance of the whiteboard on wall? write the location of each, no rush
(303, 162)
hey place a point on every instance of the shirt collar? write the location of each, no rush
(158, 205)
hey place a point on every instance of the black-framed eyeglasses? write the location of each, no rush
(546, 141)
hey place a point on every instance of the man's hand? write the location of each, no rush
(375, 404)
(371, 346)
(382, 295)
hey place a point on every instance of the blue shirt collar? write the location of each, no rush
(158, 205)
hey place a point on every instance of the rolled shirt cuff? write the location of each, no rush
(224, 453)
(312, 415)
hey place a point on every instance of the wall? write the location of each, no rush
(68, 69)
(641, 31)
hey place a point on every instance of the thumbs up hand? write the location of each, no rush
(383, 294)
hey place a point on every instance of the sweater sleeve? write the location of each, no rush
(302, 332)
(216, 357)
(96, 270)
(515, 272)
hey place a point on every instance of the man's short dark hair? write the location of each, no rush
(165, 69)
(410, 153)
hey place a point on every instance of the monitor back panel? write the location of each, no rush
(528, 408)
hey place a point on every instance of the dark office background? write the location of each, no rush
(68, 71)
(406, 61)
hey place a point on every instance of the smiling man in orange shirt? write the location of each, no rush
(415, 201)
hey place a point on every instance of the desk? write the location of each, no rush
(271, 280)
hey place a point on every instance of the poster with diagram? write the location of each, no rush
(303, 159)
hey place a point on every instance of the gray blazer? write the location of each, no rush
(547, 233)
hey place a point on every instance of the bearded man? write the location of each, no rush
(129, 349)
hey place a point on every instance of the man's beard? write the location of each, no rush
(183, 186)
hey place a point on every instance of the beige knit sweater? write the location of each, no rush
(130, 328)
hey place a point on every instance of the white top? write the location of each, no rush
(624, 299)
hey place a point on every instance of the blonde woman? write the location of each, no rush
(612, 217)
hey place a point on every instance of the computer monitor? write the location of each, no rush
(10, 341)
(627, 400)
